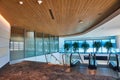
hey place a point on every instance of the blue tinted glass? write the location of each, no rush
(90, 42)
(70, 43)
(113, 41)
(29, 44)
(100, 49)
(80, 49)
(103, 48)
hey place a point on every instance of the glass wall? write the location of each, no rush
(70, 43)
(29, 44)
(46, 45)
(56, 44)
(102, 49)
(80, 49)
(25, 43)
(90, 49)
(114, 45)
(17, 44)
(51, 44)
(39, 44)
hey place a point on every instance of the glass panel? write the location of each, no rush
(90, 49)
(80, 49)
(56, 44)
(104, 50)
(102, 59)
(113, 41)
(52, 44)
(46, 44)
(29, 44)
(39, 44)
(17, 44)
(114, 48)
(100, 49)
(21, 46)
(24, 44)
(70, 44)
(11, 46)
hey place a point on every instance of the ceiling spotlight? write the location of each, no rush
(80, 21)
(20, 2)
(39, 1)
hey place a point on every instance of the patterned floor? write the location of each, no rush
(41, 71)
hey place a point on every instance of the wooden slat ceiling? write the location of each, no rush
(67, 14)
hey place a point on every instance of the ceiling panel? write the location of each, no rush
(67, 14)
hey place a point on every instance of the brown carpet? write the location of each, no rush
(40, 71)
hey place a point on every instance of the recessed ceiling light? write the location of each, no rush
(80, 21)
(39, 1)
(20, 2)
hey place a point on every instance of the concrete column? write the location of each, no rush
(118, 41)
(61, 43)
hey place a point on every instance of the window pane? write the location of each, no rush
(46, 44)
(103, 48)
(21, 46)
(80, 49)
(16, 44)
(113, 41)
(90, 49)
(100, 49)
(29, 44)
(56, 44)
(51, 44)
(70, 43)
(11, 46)
(39, 44)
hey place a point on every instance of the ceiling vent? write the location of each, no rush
(51, 14)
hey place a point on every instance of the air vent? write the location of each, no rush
(51, 13)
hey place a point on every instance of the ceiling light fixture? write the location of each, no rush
(20, 2)
(80, 21)
(39, 1)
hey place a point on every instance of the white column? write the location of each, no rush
(61, 43)
(118, 41)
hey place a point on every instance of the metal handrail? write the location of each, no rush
(56, 59)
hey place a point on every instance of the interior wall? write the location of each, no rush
(4, 41)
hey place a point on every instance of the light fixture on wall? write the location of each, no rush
(39, 1)
(20, 2)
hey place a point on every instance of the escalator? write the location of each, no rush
(114, 62)
(73, 61)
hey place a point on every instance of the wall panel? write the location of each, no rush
(4, 41)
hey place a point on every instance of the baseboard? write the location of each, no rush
(4, 66)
